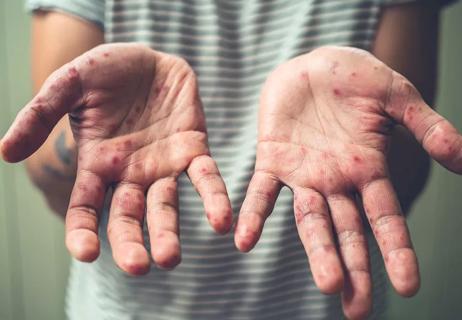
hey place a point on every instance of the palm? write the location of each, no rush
(138, 124)
(324, 126)
(142, 119)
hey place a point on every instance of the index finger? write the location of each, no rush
(208, 182)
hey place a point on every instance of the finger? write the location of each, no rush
(162, 219)
(59, 94)
(125, 232)
(258, 204)
(390, 230)
(85, 204)
(315, 231)
(437, 135)
(206, 178)
(357, 291)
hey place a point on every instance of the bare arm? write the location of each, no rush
(53, 166)
(407, 41)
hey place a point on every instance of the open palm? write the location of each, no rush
(138, 124)
(324, 126)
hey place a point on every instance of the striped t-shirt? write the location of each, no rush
(232, 46)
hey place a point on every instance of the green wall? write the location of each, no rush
(33, 261)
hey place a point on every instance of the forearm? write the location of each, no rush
(53, 166)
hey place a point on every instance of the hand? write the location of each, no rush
(324, 126)
(138, 124)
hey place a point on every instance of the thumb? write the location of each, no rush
(60, 93)
(436, 134)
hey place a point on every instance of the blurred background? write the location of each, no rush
(33, 259)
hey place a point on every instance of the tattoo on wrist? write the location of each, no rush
(55, 173)
(64, 153)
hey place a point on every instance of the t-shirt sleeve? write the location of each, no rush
(89, 10)
(440, 3)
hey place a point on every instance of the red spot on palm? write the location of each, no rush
(128, 143)
(357, 159)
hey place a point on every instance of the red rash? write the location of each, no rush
(357, 159)
(115, 160)
(311, 201)
(298, 214)
(337, 92)
(106, 54)
(73, 72)
(128, 143)
(228, 219)
(82, 187)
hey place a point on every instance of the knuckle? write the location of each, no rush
(349, 237)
